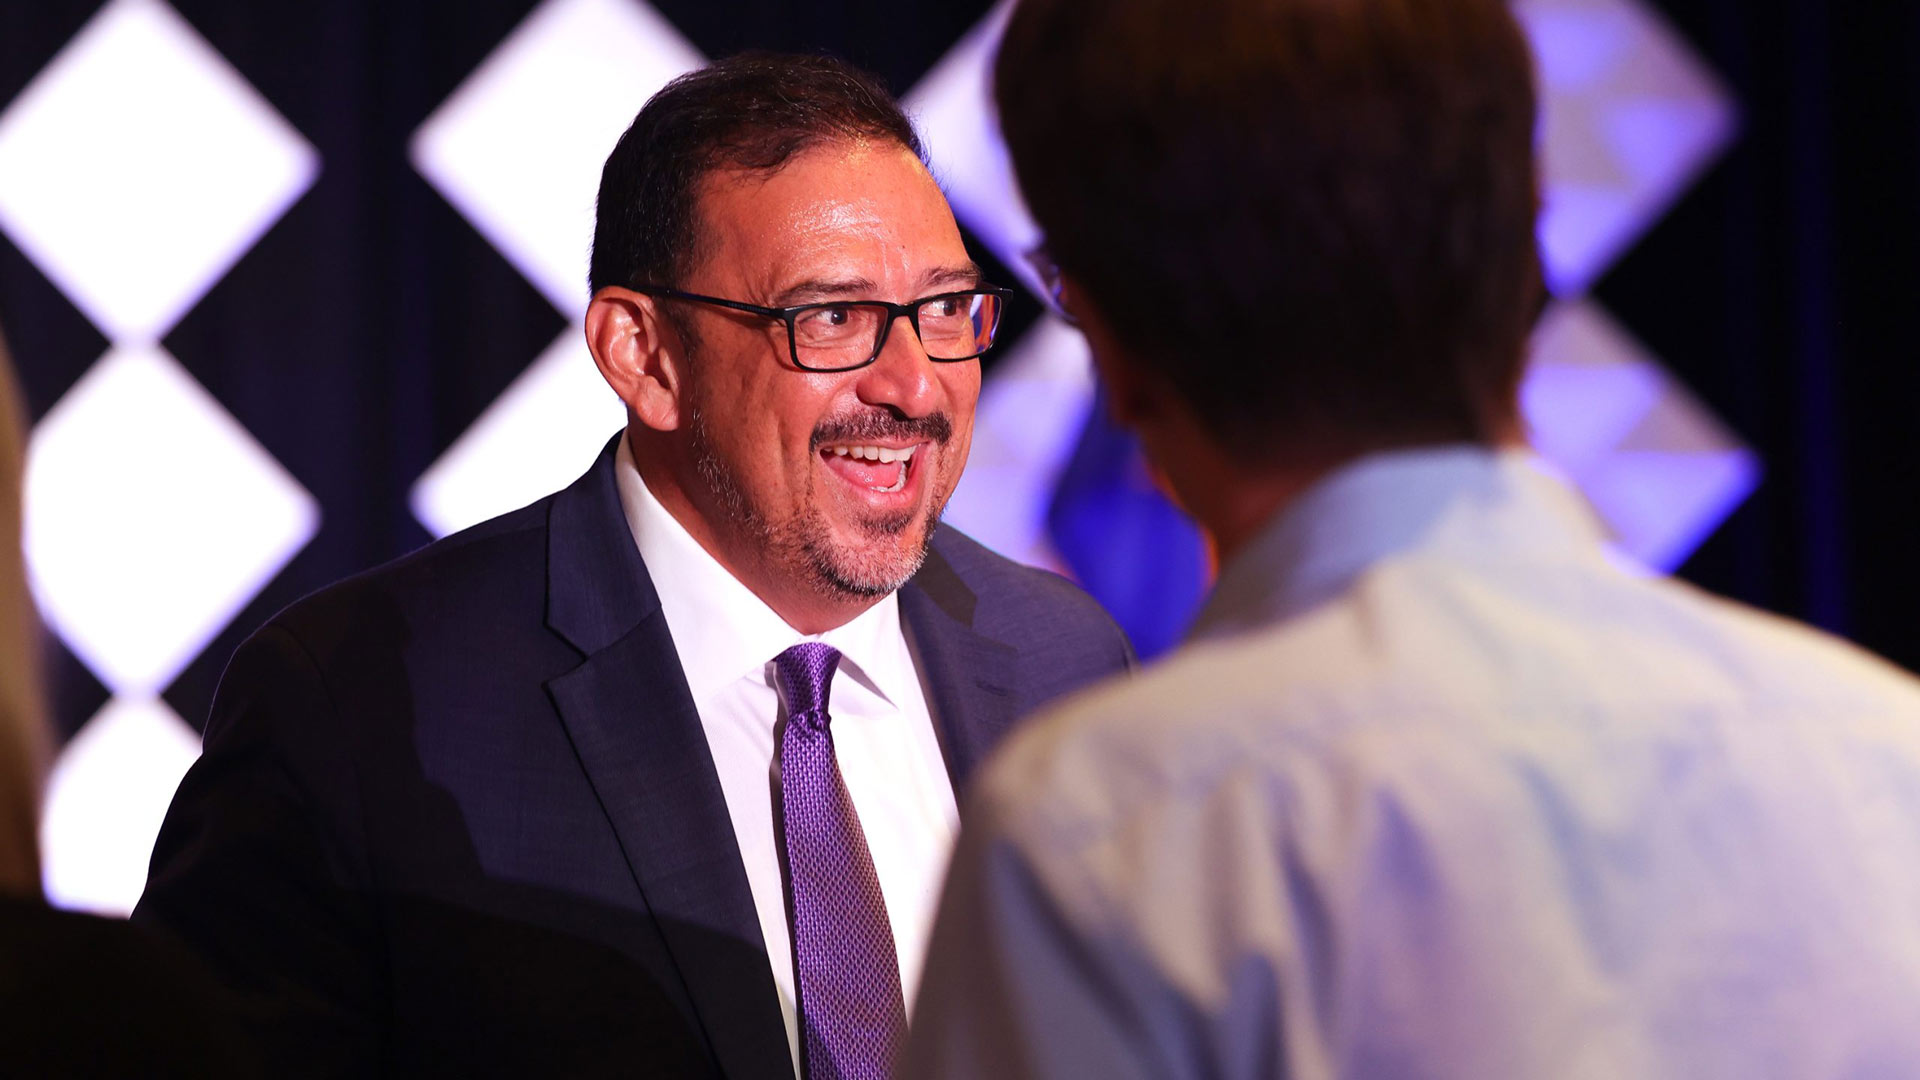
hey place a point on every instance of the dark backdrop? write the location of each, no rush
(372, 324)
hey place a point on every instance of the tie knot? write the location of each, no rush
(804, 672)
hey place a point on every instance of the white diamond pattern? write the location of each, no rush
(152, 518)
(135, 170)
(105, 800)
(952, 105)
(517, 149)
(1630, 118)
(536, 435)
(1659, 469)
(139, 165)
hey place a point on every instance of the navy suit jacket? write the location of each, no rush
(458, 816)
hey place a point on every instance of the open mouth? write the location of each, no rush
(881, 469)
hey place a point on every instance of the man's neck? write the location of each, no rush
(1232, 511)
(1234, 502)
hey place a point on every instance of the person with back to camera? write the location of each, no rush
(1437, 787)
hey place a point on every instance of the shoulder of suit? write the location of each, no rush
(979, 565)
(1005, 586)
(441, 581)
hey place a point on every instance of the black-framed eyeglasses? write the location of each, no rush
(842, 335)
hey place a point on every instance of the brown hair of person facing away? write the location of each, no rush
(22, 734)
(1313, 218)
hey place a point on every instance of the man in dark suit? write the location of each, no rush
(634, 778)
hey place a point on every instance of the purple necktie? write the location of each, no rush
(852, 1014)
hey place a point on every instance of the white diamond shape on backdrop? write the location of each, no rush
(536, 438)
(519, 146)
(1587, 386)
(152, 518)
(1630, 118)
(138, 166)
(105, 801)
(1024, 431)
(1657, 467)
(952, 106)
(1661, 505)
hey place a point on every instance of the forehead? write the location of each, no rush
(842, 210)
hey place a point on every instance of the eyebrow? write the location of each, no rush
(818, 289)
(822, 289)
(968, 275)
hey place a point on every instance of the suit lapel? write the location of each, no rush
(969, 675)
(633, 723)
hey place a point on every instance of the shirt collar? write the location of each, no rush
(721, 629)
(1467, 501)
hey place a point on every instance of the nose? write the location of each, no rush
(901, 377)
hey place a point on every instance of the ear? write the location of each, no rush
(1136, 394)
(640, 355)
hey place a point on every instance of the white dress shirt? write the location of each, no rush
(1442, 789)
(883, 735)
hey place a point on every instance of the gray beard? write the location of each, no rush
(807, 545)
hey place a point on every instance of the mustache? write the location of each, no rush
(874, 426)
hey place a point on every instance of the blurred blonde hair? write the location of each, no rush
(22, 721)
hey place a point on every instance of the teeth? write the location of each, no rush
(875, 453)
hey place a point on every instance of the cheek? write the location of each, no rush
(742, 429)
(961, 384)
(963, 394)
(783, 414)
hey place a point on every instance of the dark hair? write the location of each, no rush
(1315, 217)
(753, 111)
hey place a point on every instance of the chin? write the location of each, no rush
(883, 560)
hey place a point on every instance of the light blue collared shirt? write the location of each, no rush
(1440, 788)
